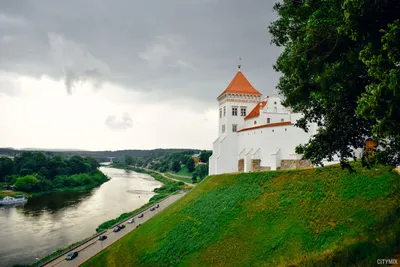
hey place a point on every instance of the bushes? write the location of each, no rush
(35, 183)
(27, 183)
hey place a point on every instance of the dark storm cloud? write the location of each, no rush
(185, 47)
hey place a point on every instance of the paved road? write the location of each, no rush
(94, 246)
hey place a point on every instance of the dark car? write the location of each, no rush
(141, 215)
(153, 209)
(118, 227)
(71, 255)
(157, 206)
(102, 237)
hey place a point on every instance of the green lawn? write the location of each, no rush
(180, 178)
(313, 217)
(184, 172)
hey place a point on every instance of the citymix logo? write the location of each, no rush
(386, 261)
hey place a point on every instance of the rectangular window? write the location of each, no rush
(220, 113)
(242, 111)
(223, 128)
(234, 127)
(234, 111)
(224, 111)
(268, 120)
(282, 120)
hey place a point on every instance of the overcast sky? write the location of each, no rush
(126, 74)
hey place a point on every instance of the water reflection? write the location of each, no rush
(48, 222)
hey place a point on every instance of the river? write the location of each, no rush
(52, 221)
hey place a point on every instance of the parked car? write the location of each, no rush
(102, 237)
(157, 206)
(141, 215)
(153, 209)
(122, 226)
(131, 220)
(71, 255)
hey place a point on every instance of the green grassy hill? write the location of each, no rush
(313, 217)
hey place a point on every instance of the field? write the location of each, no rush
(313, 217)
(184, 172)
(177, 177)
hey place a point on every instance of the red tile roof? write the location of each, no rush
(267, 125)
(256, 110)
(240, 85)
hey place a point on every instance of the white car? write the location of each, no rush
(131, 220)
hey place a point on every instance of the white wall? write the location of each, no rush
(270, 139)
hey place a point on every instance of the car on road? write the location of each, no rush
(157, 206)
(131, 220)
(141, 215)
(118, 227)
(102, 237)
(71, 255)
(153, 209)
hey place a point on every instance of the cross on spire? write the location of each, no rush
(240, 65)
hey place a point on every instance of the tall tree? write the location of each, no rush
(190, 164)
(176, 166)
(340, 67)
(6, 168)
(205, 155)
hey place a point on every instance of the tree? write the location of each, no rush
(201, 171)
(176, 166)
(205, 155)
(190, 164)
(6, 168)
(27, 183)
(340, 68)
(194, 177)
(128, 160)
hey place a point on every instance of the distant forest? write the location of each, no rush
(103, 156)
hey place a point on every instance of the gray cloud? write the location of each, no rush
(177, 48)
(123, 123)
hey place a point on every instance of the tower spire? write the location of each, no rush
(239, 65)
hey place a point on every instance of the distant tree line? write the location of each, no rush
(170, 162)
(35, 171)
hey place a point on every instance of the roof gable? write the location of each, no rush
(240, 85)
(256, 110)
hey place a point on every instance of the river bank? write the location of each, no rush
(59, 219)
(93, 180)
(168, 188)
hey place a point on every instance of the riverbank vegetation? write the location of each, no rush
(315, 217)
(34, 172)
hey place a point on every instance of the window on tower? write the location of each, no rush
(220, 113)
(268, 120)
(223, 128)
(234, 111)
(242, 111)
(234, 127)
(224, 111)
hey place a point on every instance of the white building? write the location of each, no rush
(255, 134)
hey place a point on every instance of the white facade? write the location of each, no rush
(265, 132)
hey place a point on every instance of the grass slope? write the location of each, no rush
(314, 217)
